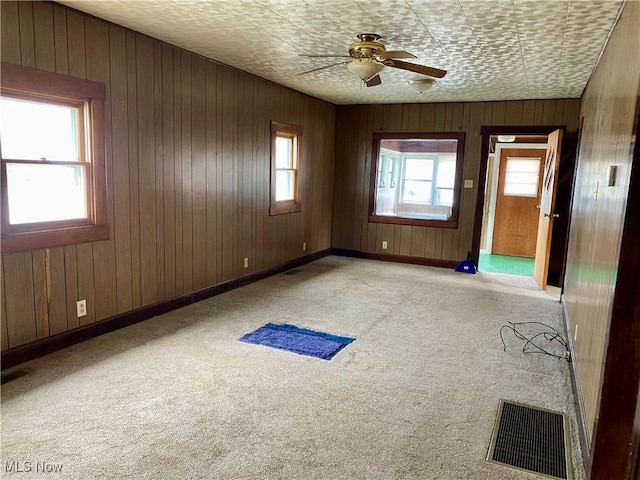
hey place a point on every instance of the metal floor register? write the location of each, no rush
(531, 439)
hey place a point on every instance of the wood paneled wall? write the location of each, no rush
(188, 144)
(609, 109)
(355, 125)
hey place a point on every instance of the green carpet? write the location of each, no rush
(504, 264)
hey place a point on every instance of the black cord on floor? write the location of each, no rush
(552, 336)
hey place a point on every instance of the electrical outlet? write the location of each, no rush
(304, 246)
(468, 184)
(246, 263)
(384, 245)
(81, 307)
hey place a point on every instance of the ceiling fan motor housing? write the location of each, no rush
(367, 47)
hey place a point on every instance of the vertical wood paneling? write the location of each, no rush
(188, 162)
(71, 286)
(19, 298)
(212, 172)
(134, 193)
(43, 36)
(187, 180)
(57, 299)
(40, 293)
(199, 175)
(60, 39)
(168, 163)
(27, 39)
(146, 169)
(121, 227)
(10, 32)
(4, 332)
(351, 200)
(104, 262)
(177, 175)
(159, 167)
(609, 108)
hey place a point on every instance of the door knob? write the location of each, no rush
(538, 206)
(554, 215)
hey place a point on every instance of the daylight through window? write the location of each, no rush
(417, 178)
(285, 166)
(53, 173)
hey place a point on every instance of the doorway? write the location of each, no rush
(512, 193)
(516, 200)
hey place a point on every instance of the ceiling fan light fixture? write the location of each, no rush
(421, 85)
(365, 68)
(506, 138)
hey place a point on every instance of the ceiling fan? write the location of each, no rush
(368, 57)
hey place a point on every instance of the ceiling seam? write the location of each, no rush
(524, 63)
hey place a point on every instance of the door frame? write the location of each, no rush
(491, 213)
(485, 134)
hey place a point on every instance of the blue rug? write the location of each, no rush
(298, 340)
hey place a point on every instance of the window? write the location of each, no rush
(53, 177)
(285, 168)
(521, 177)
(416, 178)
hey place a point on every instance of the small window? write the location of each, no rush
(522, 176)
(52, 160)
(285, 168)
(417, 178)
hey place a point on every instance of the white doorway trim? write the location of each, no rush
(493, 195)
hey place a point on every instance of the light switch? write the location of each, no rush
(468, 184)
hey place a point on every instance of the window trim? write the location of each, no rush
(292, 131)
(37, 85)
(457, 189)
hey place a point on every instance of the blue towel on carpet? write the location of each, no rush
(298, 340)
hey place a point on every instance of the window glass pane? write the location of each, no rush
(284, 150)
(416, 191)
(284, 185)
(445, 196)
(522, 176)
(446, 174)
(418, 169)
(55, 127)
(424, 174)
(44, 193)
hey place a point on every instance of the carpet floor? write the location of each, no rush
(414, 397)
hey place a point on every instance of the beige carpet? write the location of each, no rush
(177, 396)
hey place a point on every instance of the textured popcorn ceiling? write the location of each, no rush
(493, 50)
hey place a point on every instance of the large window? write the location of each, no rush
(52, 146)
(285, 168)
(416, 178)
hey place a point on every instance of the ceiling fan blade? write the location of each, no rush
(324, 56)
(413, 67)
(396, 54)
(321, 68)
(373, 81)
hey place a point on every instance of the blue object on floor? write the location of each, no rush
(466, 266)
(298, 340)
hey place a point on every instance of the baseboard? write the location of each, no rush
(585, 444)
(386, 257)
(39, 348)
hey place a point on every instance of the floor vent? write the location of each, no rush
(531, 439)
(13, 376)
(291, 272)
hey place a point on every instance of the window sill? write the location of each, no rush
(281, 208)
(24, 242)
(417, 222)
